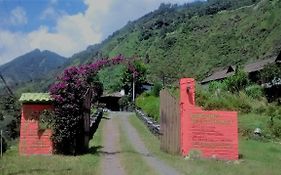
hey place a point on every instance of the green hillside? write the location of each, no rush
(192, 39)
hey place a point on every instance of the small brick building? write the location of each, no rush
(33, 140)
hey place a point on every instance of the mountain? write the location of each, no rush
(192, 39)
(31, 66)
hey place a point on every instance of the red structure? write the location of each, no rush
(214, 134)
(33, 140)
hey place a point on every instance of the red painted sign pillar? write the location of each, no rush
(214, 134)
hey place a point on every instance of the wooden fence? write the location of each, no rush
(169, 123)
(86, 116)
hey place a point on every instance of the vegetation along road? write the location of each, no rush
(123, 145)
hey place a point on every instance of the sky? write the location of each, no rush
(65, 26)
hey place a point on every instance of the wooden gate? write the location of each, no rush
(169, 123)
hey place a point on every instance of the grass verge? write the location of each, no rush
(13, 164)
(259, 158)
(131, 159)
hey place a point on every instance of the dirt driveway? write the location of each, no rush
(111, 163)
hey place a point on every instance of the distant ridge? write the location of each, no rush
(31, 66)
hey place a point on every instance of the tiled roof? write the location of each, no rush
(35, 98)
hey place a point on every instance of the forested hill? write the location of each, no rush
(192, 39)
(31, 66)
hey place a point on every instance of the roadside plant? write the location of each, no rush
(237, 82)
(69, 96)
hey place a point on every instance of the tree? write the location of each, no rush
(136, 72)
(270, 73)
(69, 96)
(10, 109)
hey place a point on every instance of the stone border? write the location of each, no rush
(152, 125)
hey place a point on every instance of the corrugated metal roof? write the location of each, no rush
(35, 98)
(259, 65)
(220, 74)
(252, 67)
(115, 94)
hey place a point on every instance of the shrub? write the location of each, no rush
(124, 102)
(217, 86)
(237, 82)
(260, 106)
(228, 101)
(46, 119)
(69, 96)
(274, 113)
(275, 128)
(150, 105)
(254, 91)
(156, 89)
(202, 96)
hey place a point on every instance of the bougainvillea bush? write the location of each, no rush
(69, 95)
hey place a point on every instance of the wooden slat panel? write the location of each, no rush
(169, 123)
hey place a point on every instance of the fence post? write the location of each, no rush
(1, 143)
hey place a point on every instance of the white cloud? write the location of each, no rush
(73, 33)
(18, 16)
(12, 45)
(49, 13)
(53, 1)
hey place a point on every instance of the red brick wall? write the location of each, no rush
(32, 139)
(211, 133)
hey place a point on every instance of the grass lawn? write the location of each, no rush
(131, 159)
(258, 158)
(13, 164)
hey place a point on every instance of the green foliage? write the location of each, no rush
(237, 82)
(275, 127)
(216, 86)
(249, 100)
(46, 120)
(124, 101)
(255, 91)
(112, 78)
(274, 112)
(228, 101)
(258, 157)
(156, 89)
(201, 96)
(150, 105)
(10, 115)
(86, 164)
(192, 39)
(271, 72)
(136, 72)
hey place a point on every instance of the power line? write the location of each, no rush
(10, 92)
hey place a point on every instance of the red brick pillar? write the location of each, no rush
(187, 103)
(33, 140)
(211, 133)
